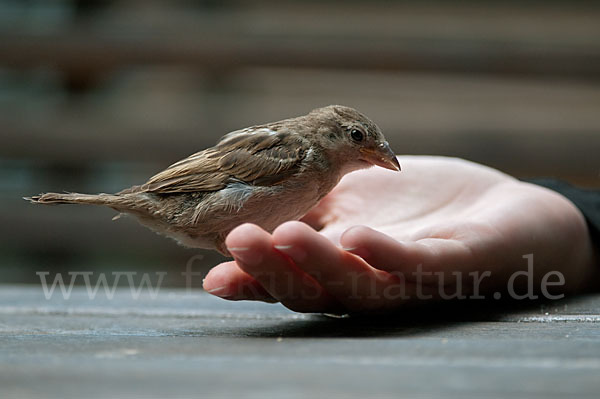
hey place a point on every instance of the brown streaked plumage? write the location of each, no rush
(265, 174)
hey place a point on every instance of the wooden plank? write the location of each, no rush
(154, 111)
(182, 343)
(77, 51)
(469, 39)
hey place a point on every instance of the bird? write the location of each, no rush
(265, 174)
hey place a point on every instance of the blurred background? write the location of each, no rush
(98, 95)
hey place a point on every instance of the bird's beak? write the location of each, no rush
(382, 155)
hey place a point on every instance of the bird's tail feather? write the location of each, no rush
(74, 198)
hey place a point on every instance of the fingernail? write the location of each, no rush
(245, 255)
(219, 291)
(297, 254)
(360, 251)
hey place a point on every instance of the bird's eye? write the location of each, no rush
(357, 135)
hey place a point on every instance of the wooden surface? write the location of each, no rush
(190, 344)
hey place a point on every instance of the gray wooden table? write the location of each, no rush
(191, 344)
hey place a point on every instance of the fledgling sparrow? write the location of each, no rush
(265, 174)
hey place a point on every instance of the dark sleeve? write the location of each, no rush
(588, 202)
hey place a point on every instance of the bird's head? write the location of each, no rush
(354, 137)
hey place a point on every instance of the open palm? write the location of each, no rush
(381, 239)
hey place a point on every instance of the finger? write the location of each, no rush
(431, 255)
(254, 253)
(228, 281)
(349, 279)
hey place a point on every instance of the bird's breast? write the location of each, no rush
(266, 206)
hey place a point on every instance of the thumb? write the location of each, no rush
(386, 253)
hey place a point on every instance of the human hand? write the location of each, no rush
(427, 229)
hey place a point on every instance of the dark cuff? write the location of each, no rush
(588, 202)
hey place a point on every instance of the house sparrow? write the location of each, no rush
(265, 174)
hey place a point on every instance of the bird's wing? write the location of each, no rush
(258, 156)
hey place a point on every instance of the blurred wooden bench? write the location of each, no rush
(99, 98)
